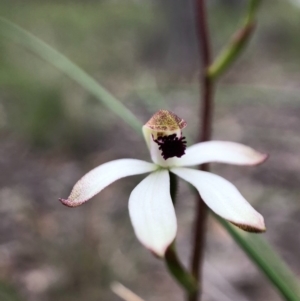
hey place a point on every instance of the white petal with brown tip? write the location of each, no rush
(152, 212)
(100, 177)
(223, 198)
(222, 152)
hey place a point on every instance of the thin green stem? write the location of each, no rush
(237, 43)
(252, 10)
(175, 267)
(173, 186)
(183, 277)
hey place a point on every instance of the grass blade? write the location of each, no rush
(260, 252)
(52, 56)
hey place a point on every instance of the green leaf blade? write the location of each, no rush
(65, 65)
(263, 255)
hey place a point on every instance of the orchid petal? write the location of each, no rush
(222, 152)
(223, 198)
(100, 177)
(152, 213)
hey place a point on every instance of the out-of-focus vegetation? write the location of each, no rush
(52, 131)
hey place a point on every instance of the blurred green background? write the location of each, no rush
(52, 131)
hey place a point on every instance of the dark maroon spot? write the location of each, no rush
(171, 146)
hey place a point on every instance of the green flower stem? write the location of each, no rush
(260, 252)
(173, 186)
(252, 9)
(230, 53)
(237, 44)
(175, 267)
(183, 277)
(62, 63)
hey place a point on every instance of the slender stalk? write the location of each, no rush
(231, 52)
(175, 267)
(252, 9)
(209, 72)
(177, 270)
(206, 85)
(237, 43)
(173, 186)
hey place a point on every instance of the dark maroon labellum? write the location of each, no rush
(171, 146)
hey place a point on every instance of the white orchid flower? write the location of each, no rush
(150, 205)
